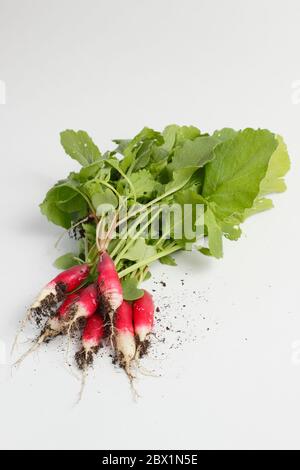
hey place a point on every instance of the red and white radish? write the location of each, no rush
(56, 290)
(83, 307)
(109, 285)
(124, 336)
(79, 305)
(55, 325)
(93, 334)
(143, 320)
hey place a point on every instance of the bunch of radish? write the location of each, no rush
(69, 304)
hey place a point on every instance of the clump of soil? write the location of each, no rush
(48, 305)
(85, 357)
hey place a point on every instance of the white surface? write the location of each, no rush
(111, 68)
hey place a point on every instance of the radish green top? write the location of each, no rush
(230, 173)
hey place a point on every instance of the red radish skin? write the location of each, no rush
(109, 285)
(84, 307)
(143, 317)
(93, 334)
(56, 289)
(124, 336)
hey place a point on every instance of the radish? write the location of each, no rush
(54, 326)
(93, 333)
(124, 337)
(56, 289)
(82, 308)
(143, 319)
(109, 285)
(53, 293)
(79, 305)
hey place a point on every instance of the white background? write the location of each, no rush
(111, 68)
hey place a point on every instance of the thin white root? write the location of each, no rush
(20, 330)
(131, 378)
(83, 382)
(144, 371)
(33, 348)
(112, 336)
(68, 346)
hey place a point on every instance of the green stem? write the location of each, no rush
(125, 178)
(87, 200)
(150, 203)
(132, 239)
(86, 248)
(131, 229)
(111, 188)
(134, 267)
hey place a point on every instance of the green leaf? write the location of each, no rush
(205, 251)
(104, 201)
(89, 172)
(180, 178)
(63, 205)
(279, 165)
(175, 136)
(232, 231)
(187, 222)
(121, 145)
(90, 232)
(130, 290)
(168, 260)
(225, 134)
(169, 135)
(140, 143)
(147, 276)
(143, 155)
(66, 261)
(233, 178)
(143, 182)
(80, 147)
(214, 234)
(194, 153)
(186, 133)
(261, 204)
(139, 250)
